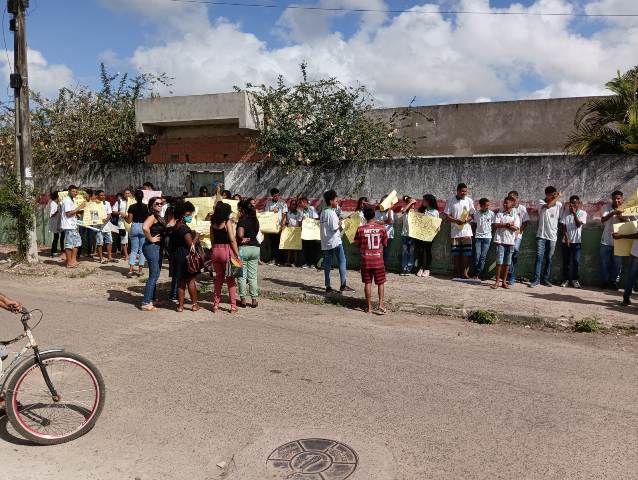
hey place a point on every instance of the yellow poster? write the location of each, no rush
(423, 227)
(290, 238)
(203, 228)
(203, 206)
(622, 247)
(630, 205)
(389, 201)
(310, 229)
(233, 207)
(268, 222)
(464, 214)
(94, 213)
(79, 200)
(350, 226)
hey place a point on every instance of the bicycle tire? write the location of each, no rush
(13, 392)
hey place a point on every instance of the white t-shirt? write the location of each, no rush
(308, 212)
(505, 236)
(294, 218)
(68, 223)
(280, 206)
(521, 211)
(109, 211)
(382, 217)
(484, 221)
(54, 217)
(329, 228)
(455, 209)
(608, 226)
(573, 232)
(548, 221)
(119, 206)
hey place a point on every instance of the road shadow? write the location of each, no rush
(9, 437)
(301, 286)
(574, 299)
(133, 296)
(114, 268)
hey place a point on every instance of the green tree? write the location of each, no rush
(323, 124)
(81, 127)
(608, 124)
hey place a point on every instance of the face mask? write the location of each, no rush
(188, 219)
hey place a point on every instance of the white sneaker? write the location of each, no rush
(419, 273)
(426, 273)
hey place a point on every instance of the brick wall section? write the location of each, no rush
(208, 149)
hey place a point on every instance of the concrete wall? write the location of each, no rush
(524, 126)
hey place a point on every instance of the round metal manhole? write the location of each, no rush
(313, 459)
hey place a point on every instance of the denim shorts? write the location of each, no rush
(504, 254)
(103, 238)
(72, 239)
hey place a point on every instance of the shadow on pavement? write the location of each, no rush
(8, 437)
(301, 286)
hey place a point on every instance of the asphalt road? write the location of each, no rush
(414, 397)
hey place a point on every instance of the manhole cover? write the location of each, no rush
(314, 459)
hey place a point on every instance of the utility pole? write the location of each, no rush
(20, 85)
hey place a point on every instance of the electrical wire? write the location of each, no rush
(393, 11)
(4, 39)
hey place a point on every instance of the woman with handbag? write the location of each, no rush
(224, 251)
(154, 230)
(247, 231)
(183, 248)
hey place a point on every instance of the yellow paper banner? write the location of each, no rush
(94, 213)
(268, 222)
(622, 246)
(423, 227)
(203, 228)
(290, 238)
(310, 229)
(630, 205)
(389, 201)
(350, 226)
(203, 206)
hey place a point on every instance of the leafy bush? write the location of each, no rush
(18, 205)
(485, 317)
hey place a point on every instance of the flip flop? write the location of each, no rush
(195, 307)
(493, 287)
(381, 311)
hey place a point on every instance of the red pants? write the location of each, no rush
(220, 255)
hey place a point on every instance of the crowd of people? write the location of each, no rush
(158, 231)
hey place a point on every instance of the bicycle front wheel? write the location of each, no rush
(33, 412)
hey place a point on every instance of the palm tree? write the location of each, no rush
(608, 124)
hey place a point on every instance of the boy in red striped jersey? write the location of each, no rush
(371, 239)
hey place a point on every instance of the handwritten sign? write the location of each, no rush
(79, 200)
(423, 227)
(203, 228)
(290, 238)
(310, 229)
(268, 222)
(389, 201)
(350, 226)
(622, 246)
(94, 213)
(631, 204)
(203, 206)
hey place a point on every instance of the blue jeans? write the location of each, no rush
(152, 252)
(481, 247)
(136, 242)
(327, 264)
(610, 266)
(407, 254)
(504, 254)
(174, 284)
(544, 253)
(632, 276)
(571, 261)
(511, 274)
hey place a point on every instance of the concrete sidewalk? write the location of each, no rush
(550, 306)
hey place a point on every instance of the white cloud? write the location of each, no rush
(44, 77)
(412, 54)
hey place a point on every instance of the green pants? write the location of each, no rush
(250, 259)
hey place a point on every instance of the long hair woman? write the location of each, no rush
(224, 246)
(182, 239)
(154, 232)
(136, 216)
(247, 231)
(424, 249)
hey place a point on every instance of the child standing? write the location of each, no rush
(483, 220)
(424, 249)
(459, 211)
(521, 211)
(572, 220)
(506, 225)
(372, 238)
(407, 243)
(546, 236)
(330, 229)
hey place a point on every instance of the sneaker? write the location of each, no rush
(426, 273)
(565, 284)
(305, 265)
(533, 285)
(346, 289)
(576, 284)
(130, 274)
(404, 273)
(626, 302)
(547, 284)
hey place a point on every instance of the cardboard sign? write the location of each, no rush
(350, 226)
(203, 206)
(389, 201)
(268, 222)
(203, 228)
(94, 213)
(290, 238)
(310, 229)
(423, 227)
(622, 246)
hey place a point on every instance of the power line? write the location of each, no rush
(418, 12)
(4, 39)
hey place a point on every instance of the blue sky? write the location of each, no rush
(436, 58)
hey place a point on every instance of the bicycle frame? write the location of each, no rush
(21, 357)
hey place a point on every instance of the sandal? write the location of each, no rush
(180, 308)
(381, 311)
(494, 287)
(215, 308)
(233, 310)
(506, 286)
(195, 307)
(254, 304)
(242, 304)
(149, 307)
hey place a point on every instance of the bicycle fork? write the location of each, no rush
(47, 379)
